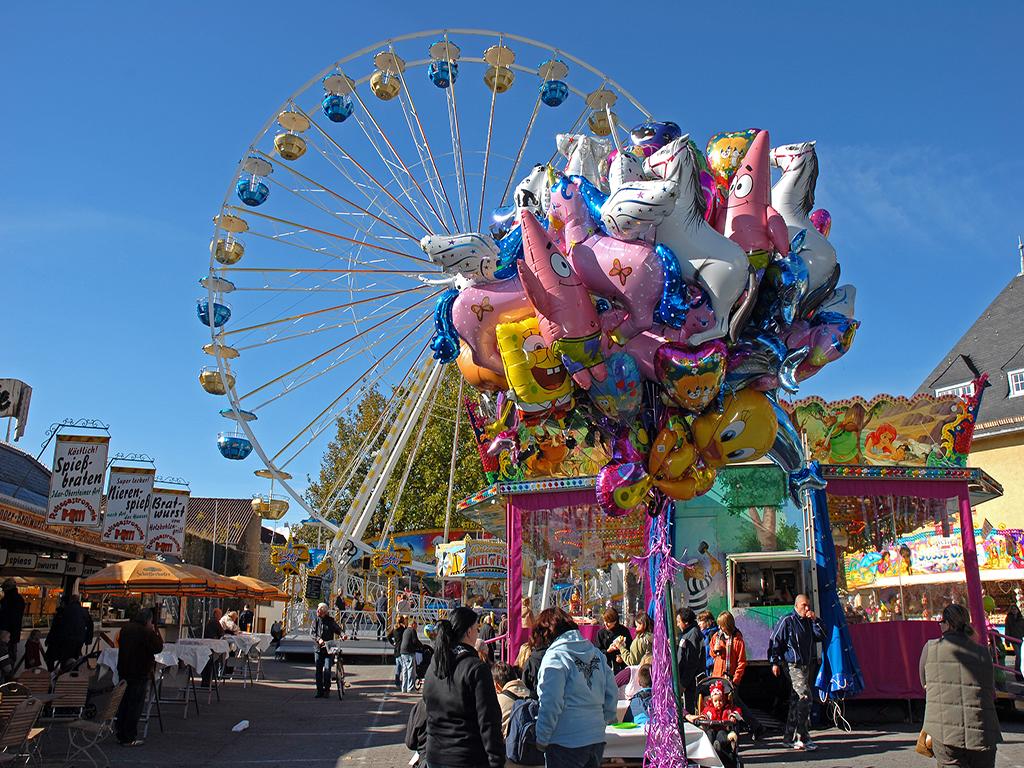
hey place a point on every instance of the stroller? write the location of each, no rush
(724, 733)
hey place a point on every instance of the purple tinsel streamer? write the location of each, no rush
(664, 748)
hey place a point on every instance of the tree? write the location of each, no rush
(423, 500)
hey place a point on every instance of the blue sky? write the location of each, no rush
(125, 122)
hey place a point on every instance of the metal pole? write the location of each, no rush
(213, 537)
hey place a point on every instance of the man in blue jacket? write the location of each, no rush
(791, 652)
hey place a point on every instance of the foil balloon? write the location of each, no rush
(482, 379)
(725, 151)
(793, 198)
(782, 289)
(705, 257)
(826, 341)
(744, 431)
(653, 135)
(748, 218)
(628, 272)
(822, 221)
(479, 309)
(585, 155)
(691, 377)
(538, 379)
(472, 255)
(568, 319)
(633, 208)
(674, 464)
(841, 301)
(788, 453)
(620, 396)
(762, 362)
(621, 487)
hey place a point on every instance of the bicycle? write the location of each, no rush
(337, 668)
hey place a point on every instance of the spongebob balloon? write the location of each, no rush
(540, 382)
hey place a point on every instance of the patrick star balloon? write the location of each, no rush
(748, 218)
(568, 319)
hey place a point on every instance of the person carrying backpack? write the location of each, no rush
(510, 689)
(577, 695)
(639, 707)
(463, 715)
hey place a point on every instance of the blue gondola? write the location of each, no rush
(233, 446)
(221, 312)
(338, 109)
(443, 73)
(554, 92)
(252, 190)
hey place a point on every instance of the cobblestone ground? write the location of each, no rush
(288, 726)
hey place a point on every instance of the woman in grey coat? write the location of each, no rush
(960, 711)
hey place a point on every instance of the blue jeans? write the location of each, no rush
(407, 662)
(557, 756)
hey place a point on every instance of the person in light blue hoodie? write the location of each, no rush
(577, 695)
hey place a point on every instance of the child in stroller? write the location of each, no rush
(719, 719)
(425, 654)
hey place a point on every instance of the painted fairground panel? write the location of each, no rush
(479, 565)
(575, 451)
(925, 431)
(746, 512)
(583, 546)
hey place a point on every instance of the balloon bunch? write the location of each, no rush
(657, 293)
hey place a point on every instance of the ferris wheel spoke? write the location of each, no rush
(575, 125)
(386, 221)
(316, 312)
(522, 147)
(426, 143)
(487, 150)
(334, 235)
(401, 162)
(369, 175)
(457, 153)
(334, 402)
(332, 350)
(300, 380)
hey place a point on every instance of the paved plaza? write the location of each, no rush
(287, 726)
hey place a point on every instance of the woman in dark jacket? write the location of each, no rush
(538, 642)
(960, 713)
(1015, 629)
(463, 714)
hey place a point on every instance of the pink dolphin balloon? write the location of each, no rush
(568, 319)
(827, 342)
(748, 218)
(630, 272)
(480, 309)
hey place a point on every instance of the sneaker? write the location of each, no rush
(758, 734)
(798, 745)
(810, 746)
(136, 743)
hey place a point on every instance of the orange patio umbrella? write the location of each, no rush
(216, 585)
(143, 576)
(260, 589)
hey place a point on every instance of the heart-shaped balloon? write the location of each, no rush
(621, 486)
(619, 396)
(692, 376)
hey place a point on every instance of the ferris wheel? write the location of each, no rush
(318, 289)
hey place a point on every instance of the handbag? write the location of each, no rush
(924, 745)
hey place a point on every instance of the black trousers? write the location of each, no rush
(323, 671)
(130, 710)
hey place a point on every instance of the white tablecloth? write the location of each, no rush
(215, 646)
(244, 642)
(168, 657)
(194, 656)
(632, 742)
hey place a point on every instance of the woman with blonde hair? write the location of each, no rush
(960, 712)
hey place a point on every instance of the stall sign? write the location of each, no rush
(314, 587)
(54, 565)
(129, 501)
(15, 397)
(167, 521)
(76, 484)
(289, 558)
(89, 570)
(22, 560)
(3, 557)
(73, 569)
(484, 557)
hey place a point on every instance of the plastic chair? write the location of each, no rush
(256, 663)
(73, 690)
(37, 680)
(18, 739)
(11, 695)
(86, 734)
